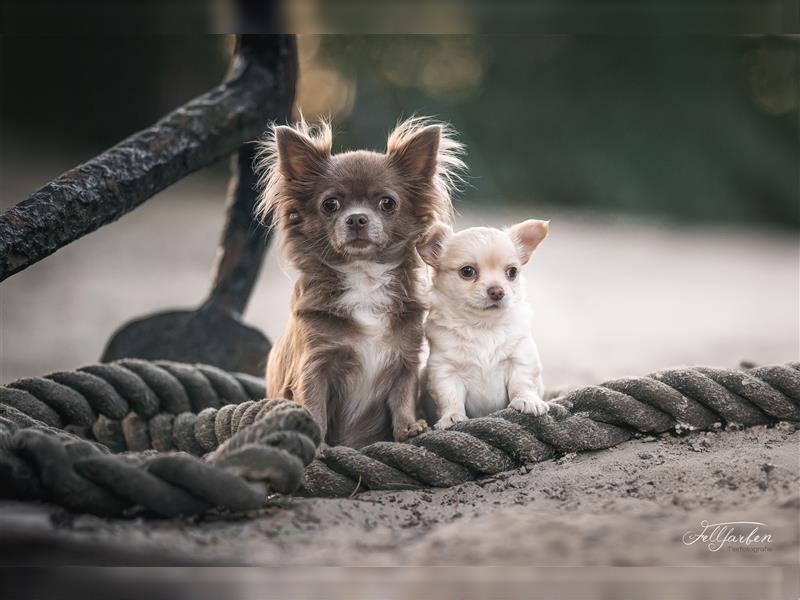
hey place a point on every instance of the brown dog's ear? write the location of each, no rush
(415, 152)
(527, 236)
(298, 156)
(430, 246)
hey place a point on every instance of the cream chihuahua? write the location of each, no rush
(482, 354)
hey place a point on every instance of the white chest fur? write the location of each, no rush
(367, 299)
(366, 294)
(487, 370)
(482, 357)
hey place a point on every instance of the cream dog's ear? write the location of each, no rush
(431, 244)
(527, 236)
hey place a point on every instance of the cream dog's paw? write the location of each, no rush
(530, 404)
(413, 430)
(449, 419)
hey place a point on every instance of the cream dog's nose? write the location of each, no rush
(496, 292)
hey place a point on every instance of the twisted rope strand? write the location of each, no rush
(588, 418)
(163, 416)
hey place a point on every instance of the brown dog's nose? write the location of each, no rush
(356, 221)
(496, 292)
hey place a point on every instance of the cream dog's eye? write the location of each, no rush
(467, 272)
(511, 273)
(330, 205)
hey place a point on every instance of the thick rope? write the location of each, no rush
(588, 418)
(58, 434)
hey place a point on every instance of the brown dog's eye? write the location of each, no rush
(511, 273)
(467, 272)
(388, 204)
(330, 206)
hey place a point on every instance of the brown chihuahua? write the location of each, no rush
(349, 223)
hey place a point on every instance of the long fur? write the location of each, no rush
(270, 180)
(448, 179)
(351, 349)
(449, 165)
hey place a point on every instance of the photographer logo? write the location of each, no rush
(735, 536)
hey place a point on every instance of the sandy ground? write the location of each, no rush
(613, 297)
(631, 505)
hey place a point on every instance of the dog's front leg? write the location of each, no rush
(449, 395)
(314, 389)
(525, 385)
(403, 404)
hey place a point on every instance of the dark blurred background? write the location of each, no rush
(695, 128)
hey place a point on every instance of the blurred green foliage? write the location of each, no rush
(693, 127)
(697, 127)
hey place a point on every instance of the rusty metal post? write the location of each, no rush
(215, 333)
(244, 241)
(260, 85)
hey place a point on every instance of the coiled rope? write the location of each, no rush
(588, 418)
(58, 434)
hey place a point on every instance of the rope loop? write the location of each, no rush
(155, 438)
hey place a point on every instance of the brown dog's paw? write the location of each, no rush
(412, 430)
(321, 449)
